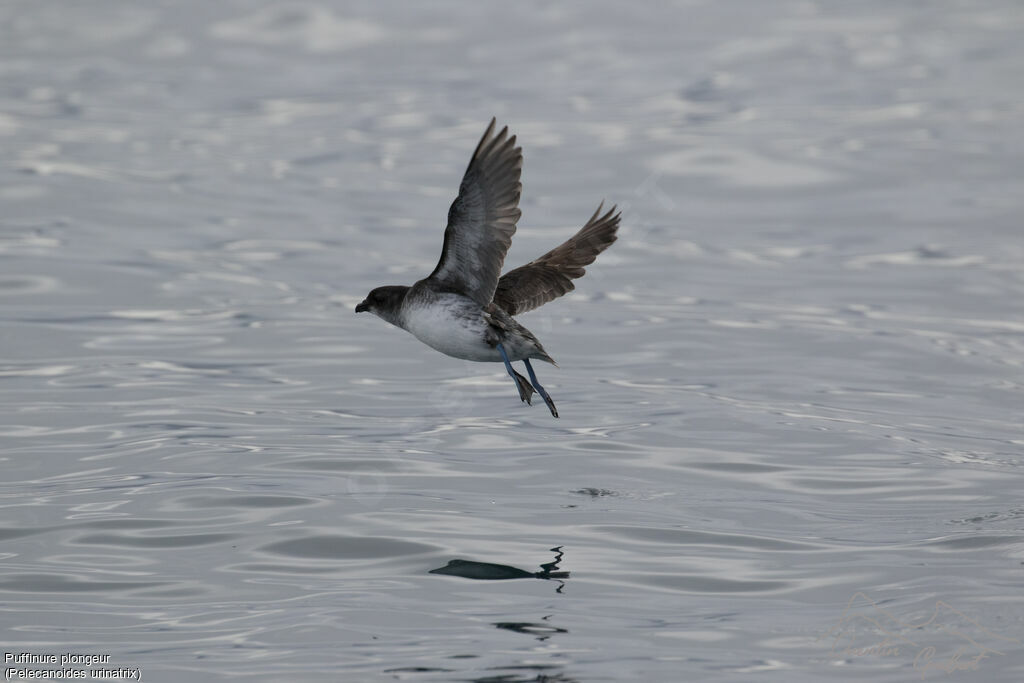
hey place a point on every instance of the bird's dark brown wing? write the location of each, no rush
(482, 219)
(551, 275)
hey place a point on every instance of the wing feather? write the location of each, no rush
(482, 219)
(550, 276)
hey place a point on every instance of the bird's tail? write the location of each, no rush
(541, 354)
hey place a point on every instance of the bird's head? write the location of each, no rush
(384, 302)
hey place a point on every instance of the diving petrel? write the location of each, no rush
(463, 309)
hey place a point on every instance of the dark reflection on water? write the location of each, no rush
(546, 674)
(541, 631)
(51, 583)
(344, 547)
(485, 571)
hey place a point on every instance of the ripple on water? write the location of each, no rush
(316, 29)
(28, 284)
(742, 168)
(334, 547)
(171, 542)
(70, 583)
(691, 537)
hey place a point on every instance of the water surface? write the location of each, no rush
(790, 395)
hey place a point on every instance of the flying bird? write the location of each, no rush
(464, 308)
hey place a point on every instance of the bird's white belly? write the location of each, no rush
(452, 330)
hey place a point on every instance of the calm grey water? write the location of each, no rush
(791, 394)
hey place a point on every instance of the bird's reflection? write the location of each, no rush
(487, 571)
(541, 631)
(547, 676)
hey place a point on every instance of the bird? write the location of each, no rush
(465, 307)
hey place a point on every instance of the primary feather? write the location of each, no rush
(550, 276)
(482, 219)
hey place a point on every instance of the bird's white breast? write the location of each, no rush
(452, 325)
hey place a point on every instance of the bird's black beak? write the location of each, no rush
(363, 306)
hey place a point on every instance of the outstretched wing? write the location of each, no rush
(551, 275)
(482, 219)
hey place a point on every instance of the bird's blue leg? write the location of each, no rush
(525, 390)
(540, 389)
